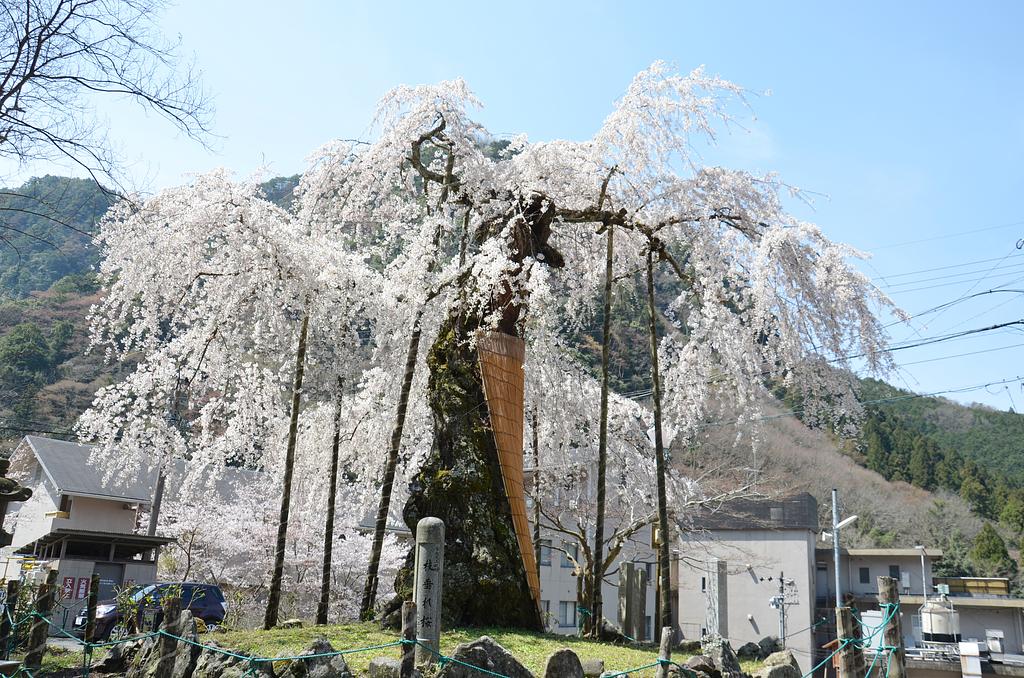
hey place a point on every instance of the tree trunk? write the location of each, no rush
(332, 495)
(274, 596)
(664, 584)
(602, 445)
(390, 465)
(460, 482)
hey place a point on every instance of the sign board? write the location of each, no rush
(83, 588)
(67, 589)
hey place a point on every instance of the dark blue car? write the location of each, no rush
(206, 601)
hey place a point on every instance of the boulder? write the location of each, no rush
(385, 667)
(703, 665)
(216, 664)
(333, 666)
(563, 663)
(593, 668)
(749, 651)
(119, 657)
(290, 624)
(484, 653)
(768, 645)
(720, 652)
(779, 665)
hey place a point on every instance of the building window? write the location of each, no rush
(567, 614)
(545, 551)
(570, 549)
(865, 575)
(894, 572)
(703, 584)
(65, 504)
(649, 567)
(647, 628)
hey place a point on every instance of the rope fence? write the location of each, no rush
(254, 662)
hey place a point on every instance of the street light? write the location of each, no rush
(836, 526)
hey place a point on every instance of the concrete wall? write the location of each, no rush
(751, 556)
(99, 515)
(879, 566)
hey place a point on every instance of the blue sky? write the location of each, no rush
(907, 118)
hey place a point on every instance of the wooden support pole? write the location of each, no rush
(40, 628)
(665, 652)
(7, 629)
(408, 665)
(892, 636)
(851, 656)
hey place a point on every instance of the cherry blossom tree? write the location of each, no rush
(434, 232)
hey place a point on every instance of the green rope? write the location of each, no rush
(639, 668)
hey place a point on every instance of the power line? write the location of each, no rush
(943, 268)
(962, 355)
(945, 236)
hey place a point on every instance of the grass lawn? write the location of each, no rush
(532, 649)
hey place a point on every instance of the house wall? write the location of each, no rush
(99, 515)
(879, 566)
(750, 557)
(29, 518)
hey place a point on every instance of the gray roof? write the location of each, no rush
(798, 512)
(67, 466)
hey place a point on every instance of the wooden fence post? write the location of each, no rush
(665, 652)
(7, 629)
(90, 608)
(892, 636)
(851, 657)
(409, 636)
(40, 628)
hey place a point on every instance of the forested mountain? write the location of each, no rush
(46, 228)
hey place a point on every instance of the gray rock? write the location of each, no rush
(780, 665)
(688, 646)
(290, 624)
(385, 667)
(703, 665)
(768, 645)
(593, 668)
(218, 665)
(119, 657)
(333, 666)
(484, 653)
(720, 652)
(749, 651)
(563, 663)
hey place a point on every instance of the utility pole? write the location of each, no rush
(835, 544)
(782, 610)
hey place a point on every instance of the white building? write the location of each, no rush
(77, 522)
(736, 561)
